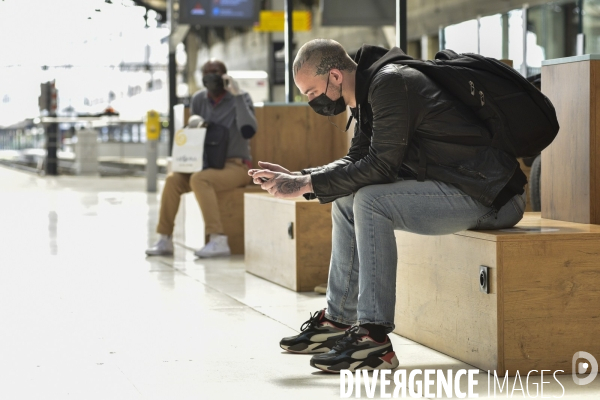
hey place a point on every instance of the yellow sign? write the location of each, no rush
(273, 21)
(180, 138)
(152, 125)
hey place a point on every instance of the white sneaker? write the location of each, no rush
(216, 247)
(164, 247)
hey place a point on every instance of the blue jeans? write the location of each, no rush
(362, 274)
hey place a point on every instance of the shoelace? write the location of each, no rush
(312, 321)
(351, 336)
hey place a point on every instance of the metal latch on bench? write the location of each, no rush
(484, 279)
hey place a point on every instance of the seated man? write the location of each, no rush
(221, 103)
(403, 118)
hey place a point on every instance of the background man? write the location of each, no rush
(420, 161)
(223, 103)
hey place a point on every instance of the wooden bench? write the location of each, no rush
(189, 224)
(543, 303)
(292, 135)
(288, 241)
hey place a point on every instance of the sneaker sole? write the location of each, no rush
(213, 255)
(387, 361)
(159, 254)
(308, 350)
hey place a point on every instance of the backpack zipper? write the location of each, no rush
(472, 88)
(481, 97)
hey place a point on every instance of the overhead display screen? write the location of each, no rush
(358, 12)
(219, 12)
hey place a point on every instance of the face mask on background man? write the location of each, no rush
(213, 83)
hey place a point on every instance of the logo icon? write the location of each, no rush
(583, 367)
(180, 138)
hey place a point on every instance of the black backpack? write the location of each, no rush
(521, 119)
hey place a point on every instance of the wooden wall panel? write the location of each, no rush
(321, 130)
(296, 137)
(565, 184)
(259, 141)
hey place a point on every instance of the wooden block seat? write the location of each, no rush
(543, 304)
(288, 241)
(189, 224)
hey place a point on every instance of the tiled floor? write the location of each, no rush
(84, 315)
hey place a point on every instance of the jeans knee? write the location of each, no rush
(364, 197)
(368, 201)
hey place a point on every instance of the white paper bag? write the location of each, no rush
(188, 150)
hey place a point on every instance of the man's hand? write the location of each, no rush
(283, 185)
(270, 167)
(231, 85)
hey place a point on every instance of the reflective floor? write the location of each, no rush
(85, 315)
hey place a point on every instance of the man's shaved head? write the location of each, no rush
(319, 56)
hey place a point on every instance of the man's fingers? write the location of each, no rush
(270, 166)
(252, 171)
(264, 174)
(267, 185)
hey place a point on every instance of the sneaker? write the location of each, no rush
(164, 247)
(357, 350)
(317, 335)
(321, 289)
(216, 247)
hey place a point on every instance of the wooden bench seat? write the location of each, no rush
(288, 241)
(543, 303)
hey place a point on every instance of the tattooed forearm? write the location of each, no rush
(290, 185)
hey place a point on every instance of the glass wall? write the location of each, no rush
(551, 32)
(491, 36)
(515, 38)
(462, 38)
(591, 26)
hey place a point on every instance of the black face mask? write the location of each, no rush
(213, 82)
(325, 106)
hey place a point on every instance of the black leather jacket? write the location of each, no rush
(407, 124)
